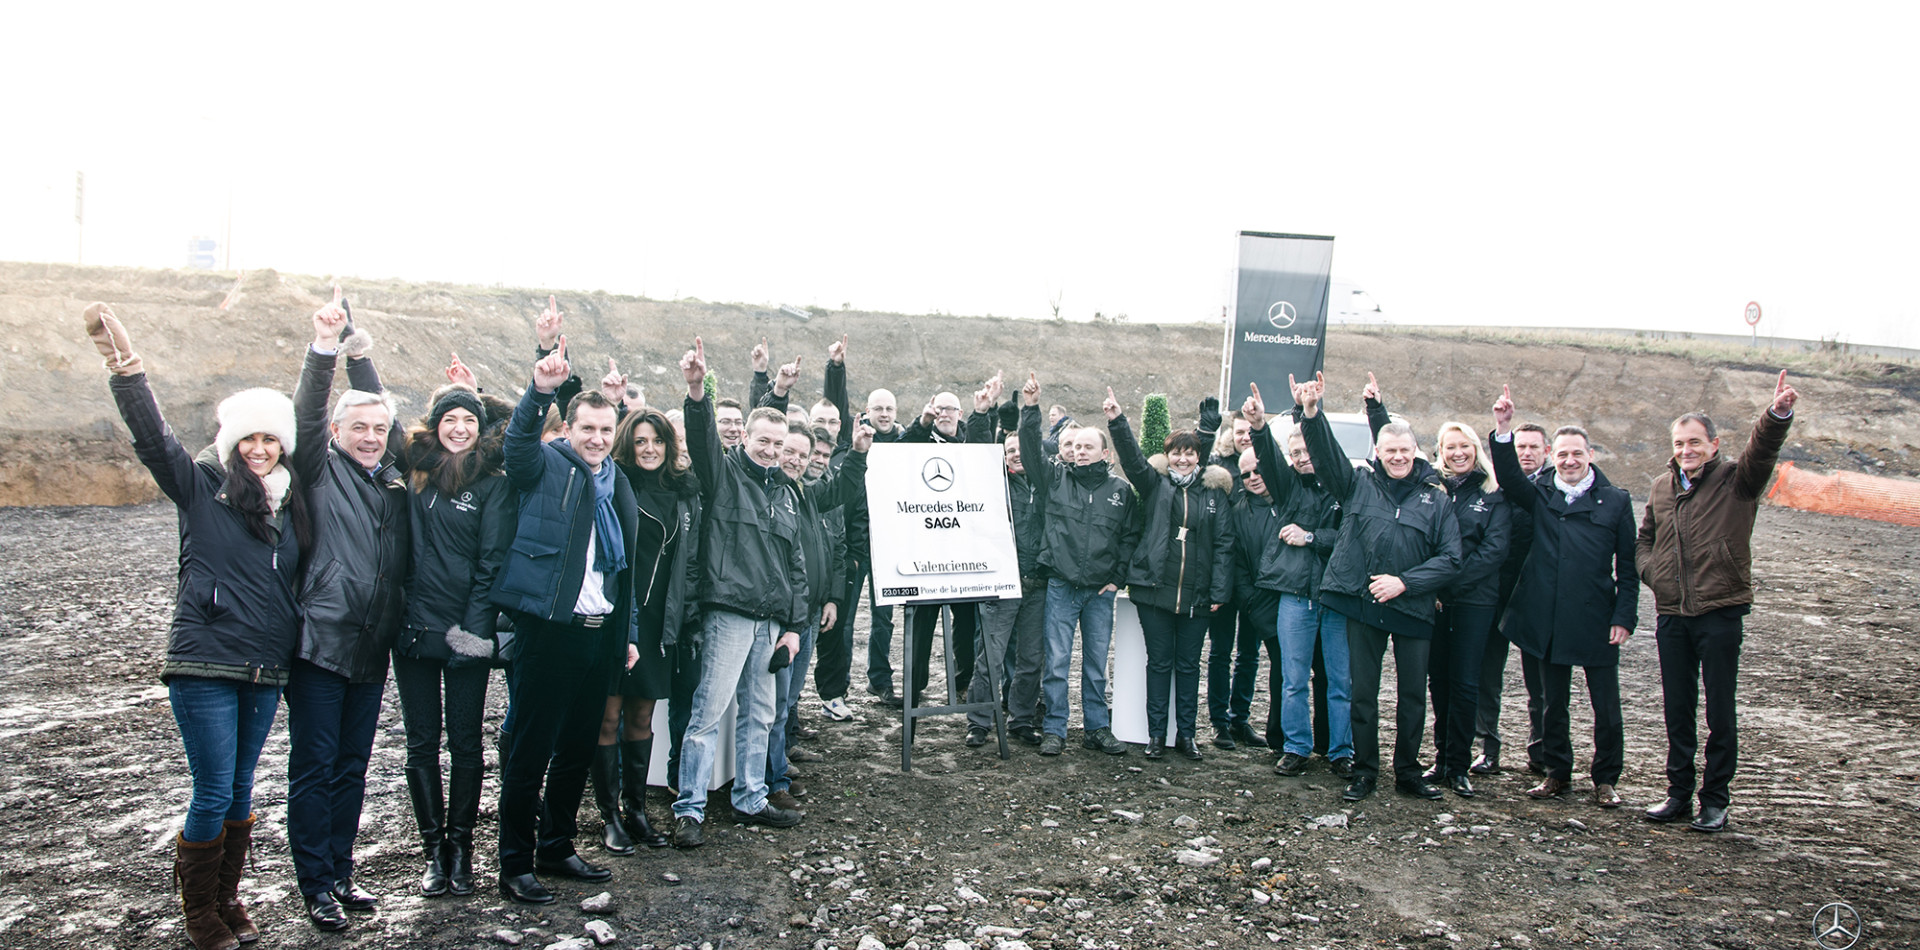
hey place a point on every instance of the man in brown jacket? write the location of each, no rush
(1695, 552)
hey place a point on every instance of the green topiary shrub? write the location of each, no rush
(1155, 424)
(712, 385)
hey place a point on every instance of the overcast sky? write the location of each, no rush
(1614, 165)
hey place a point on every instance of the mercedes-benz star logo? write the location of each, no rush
(1836, 926)
(1281, 315)
(937, 473)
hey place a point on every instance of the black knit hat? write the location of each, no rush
(457, 398)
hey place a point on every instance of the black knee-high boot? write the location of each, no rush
(606, 795)
(636, 755)
(463, 810)
(430, 813)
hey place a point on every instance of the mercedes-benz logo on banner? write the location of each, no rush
(1836, 926)
(937, 473)
(1281, 315)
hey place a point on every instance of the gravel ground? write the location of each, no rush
(968, 850)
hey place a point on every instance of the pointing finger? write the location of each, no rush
(1256, 389)
(1782, 384)
(1292, 382)
(562, 348)
(1320, 378)
(337, 295)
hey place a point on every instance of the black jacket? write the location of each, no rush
(1184, 561)
(1296, 499)
(751, 557)
(1486, 527)
(1091, 521)
(353, 592)
(234, 615)
(1579, 579)
(459, 543)
(823, 532)
(1415, 539)
(681, 615)
(1028, 504)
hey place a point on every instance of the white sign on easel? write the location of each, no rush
(940, 524)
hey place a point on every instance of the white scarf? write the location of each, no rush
(279, 484)
(1573, 491)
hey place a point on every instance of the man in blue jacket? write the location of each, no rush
(567, 584)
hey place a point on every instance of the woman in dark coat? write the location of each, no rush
(1181, 571)
(463, 515)
(1578, 596)
(647, 448)
(243, 531)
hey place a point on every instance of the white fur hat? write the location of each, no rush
(254, 410)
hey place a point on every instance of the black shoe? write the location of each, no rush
(1188, 748)
(768, 815)
(525, 889)
(1419, 788)
(1051, 744)
(1244, 734)
(1028, 735)
(1486, 764)
(1712, 818)
(1433, 774)
(687, 833)
(1671, 810)
(1223, 739)
(1460, 786)
(976, 736)
(572, 866)
(1342, 767)
(889, 698)
(1361, 788)
(1102, 740)
(324, 912)
(353, 898)
(433, 882)
(1291, 763)
(1156, 748)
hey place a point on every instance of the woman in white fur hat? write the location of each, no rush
(243, 529)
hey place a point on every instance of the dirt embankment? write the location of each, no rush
(61, 442)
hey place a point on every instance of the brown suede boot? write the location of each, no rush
(196, 868)
(233, 862)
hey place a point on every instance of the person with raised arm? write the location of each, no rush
(1017, 623)
(352, 606)
(244, 530)
(568, 586)
(1091, 530)
(753, 589)
(1530, 444)
(1399, 546)
(1695, 550)
(881, 416)
(941, 423)
(1577, 599)
(1293, 538)
(833, 671)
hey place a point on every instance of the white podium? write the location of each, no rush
(722, 751)
(1127, 683)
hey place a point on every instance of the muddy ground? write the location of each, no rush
(93, 786)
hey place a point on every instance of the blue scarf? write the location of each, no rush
(612, 556)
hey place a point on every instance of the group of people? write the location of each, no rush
(608, 555)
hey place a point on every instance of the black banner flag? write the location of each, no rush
(1280, 315)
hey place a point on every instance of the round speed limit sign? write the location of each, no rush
(1753, 313)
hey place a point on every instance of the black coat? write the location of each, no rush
(681, 614)
(1579, 579)
(235, 615)
(751, 557)
(1297, 500)
(459, 543)
(1091, 523)
(1184, 561)
(1486, 527)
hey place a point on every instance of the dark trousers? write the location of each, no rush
(1459, 646)
(1233, 664)
(423, 698)
(1367, 651)
(1173, 663)
(559, 695)
(1321, 734)
(330, 729)
(1609, 730)
(879, 638)
(1696, 651)
(833, 651)
(966, 622)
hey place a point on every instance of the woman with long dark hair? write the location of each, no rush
(462, 516)
(243, 532)
(647, 449)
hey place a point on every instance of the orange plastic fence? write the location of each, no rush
(1847, 493)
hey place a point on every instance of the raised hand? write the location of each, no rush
(837, 352)
(614, 384)
(982, 400)
(1030, 393)
(1255, 408)
(1308, 394)
(786, 376)
(1503, 411)
(926, 415)
(327, 322)
(758, 357)
(110, 338)
(693, 366)
(1784, 397)
(863, 438)
(553, 369)
(996, 385)
(457, 372)
(1111, 407)
(546, 326)
(1372, 392)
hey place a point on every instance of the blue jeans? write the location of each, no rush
(1092, 611)
(787, 685)
(1301, 623)
(223, 724)
(734, 651)
(330, 725)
